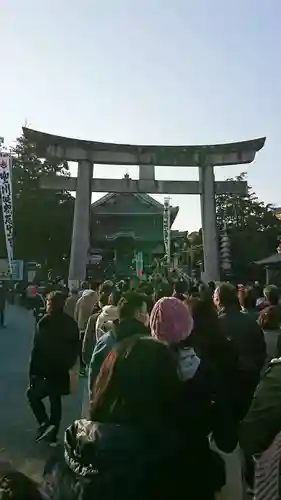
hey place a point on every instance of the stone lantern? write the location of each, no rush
(225, 252)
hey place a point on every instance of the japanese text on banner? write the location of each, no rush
(7, 203)
(166, 228)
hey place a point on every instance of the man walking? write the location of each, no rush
(56, 348)
(247, 340)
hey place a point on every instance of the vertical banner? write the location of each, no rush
(7, 203)
(166, 228)
(139, 264)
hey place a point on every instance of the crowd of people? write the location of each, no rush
(178, 376)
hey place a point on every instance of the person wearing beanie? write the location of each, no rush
(108, 315)
(247, 338)
(204, 407)
(172, 323)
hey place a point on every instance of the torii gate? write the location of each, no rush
(87, 153)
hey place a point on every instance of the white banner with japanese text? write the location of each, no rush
(7, 203)
(166, 228)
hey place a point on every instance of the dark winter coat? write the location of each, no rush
(247, 339)
(121, 462)
(217, 383)
(56, 347)
(105, 344)
(263, 420)
(206, 407)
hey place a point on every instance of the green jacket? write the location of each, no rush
(263, 421)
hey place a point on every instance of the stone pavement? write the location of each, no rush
(17, 424)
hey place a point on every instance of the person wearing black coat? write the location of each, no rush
(56, 347)
(206, 406)
(247, 339)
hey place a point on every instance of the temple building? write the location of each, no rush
(125, 227)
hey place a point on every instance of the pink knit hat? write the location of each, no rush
(171, 320)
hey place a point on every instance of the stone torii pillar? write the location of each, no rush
(87, 153)
(209, 223)
(80, 246)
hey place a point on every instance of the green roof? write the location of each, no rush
(144, 205)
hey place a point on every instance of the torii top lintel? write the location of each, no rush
(65, 148)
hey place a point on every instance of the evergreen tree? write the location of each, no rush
(252, 227)
(42, 218)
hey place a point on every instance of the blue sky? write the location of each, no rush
(149, 71)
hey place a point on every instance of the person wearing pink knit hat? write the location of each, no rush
(204, 407)
(171, 322)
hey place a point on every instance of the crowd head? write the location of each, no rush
(180, 290)
(55, 302)
(225, 296)
(114, 297)
(271, 294)
(103, 299)
(204, 315)
(133, 305)
(163, 289)
(250, 298)
(171, 320)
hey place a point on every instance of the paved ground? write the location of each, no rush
(17, 424)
